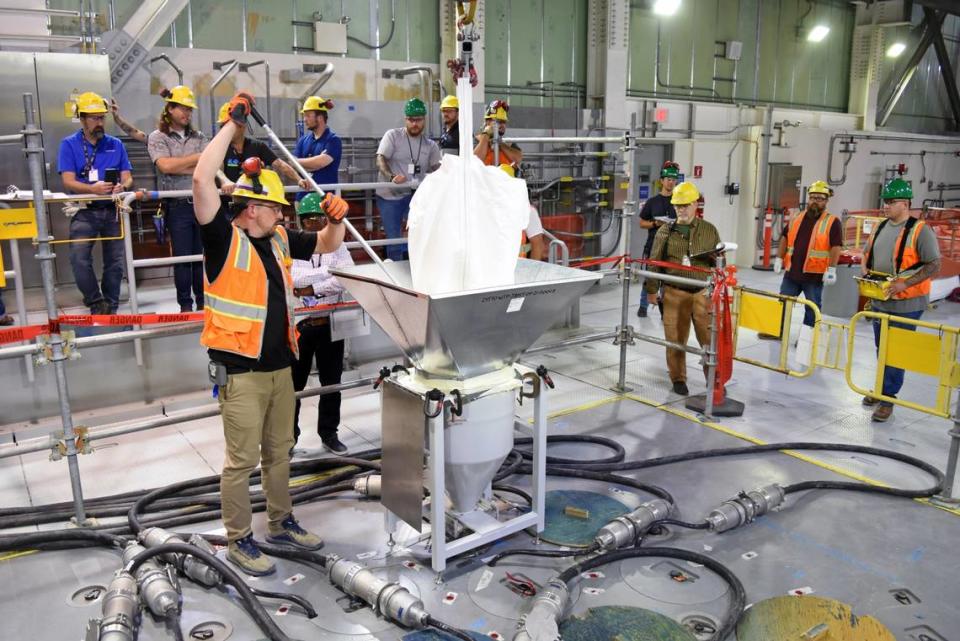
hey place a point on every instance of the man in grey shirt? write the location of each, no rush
(404, 154)
(906, 248)
(174, 148)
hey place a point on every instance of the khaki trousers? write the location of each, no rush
(679, 309)
(257, 412)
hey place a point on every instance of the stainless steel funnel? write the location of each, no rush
(465, 334)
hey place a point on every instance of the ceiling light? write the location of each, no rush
(818, 33)
(666, 7)
(896, 49)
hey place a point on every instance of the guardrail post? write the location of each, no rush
(947, 498)
(131, 278)
(625, 331)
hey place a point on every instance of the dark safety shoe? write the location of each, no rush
(101, 308)
(883, 413)
(245, 554)
(680, 387)
(292, 534)
(869, 401)
(642, 312)
(6, 320)
(333, 444)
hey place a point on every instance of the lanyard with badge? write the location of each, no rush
(93, 175)
(414, 168)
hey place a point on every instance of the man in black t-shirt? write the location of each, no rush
(243, 147)
(654, 213)
(251, 337)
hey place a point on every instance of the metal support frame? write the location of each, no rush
(931, 26)
(946, 67)
(440, 548)
(33, 138)
(947, 497)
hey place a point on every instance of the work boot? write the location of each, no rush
(767, 337)
(869, 401)
(101, 307)
(642, 312)
(333, 444)
(680, 387)
(883, 413)
(6, 320)
(245, 554)
(293, 535)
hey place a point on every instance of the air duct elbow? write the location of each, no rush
(745, 507)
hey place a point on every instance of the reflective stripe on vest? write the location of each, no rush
(911, 258)
(818, 249)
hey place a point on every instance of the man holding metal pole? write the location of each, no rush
(251, 336)
(689, 242)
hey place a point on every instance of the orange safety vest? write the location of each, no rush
(235, 303)
(503, 158)
(818, 251)
(905, 256)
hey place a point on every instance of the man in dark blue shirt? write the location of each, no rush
(91, 162)
(319, 149)
(655, 212)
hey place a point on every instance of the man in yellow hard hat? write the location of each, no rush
(319, 149)
(810, 249)
(251, 336)
(243, 147)
(92, 162)
(495, 120)
(449, 140)
(687, 241)
(174, 148)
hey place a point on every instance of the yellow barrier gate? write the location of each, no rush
(768, 313)
(932, 354)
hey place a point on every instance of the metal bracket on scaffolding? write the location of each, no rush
(625, 335)
(58, 445)
(44, 355)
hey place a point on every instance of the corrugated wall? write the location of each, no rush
(791, 71)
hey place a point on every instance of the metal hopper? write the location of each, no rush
(464, 334)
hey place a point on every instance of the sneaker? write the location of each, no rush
(883, 413)
(869, 401)
(6, 320)
(642, 312)
(245, 554)
(680, 387)
(294, 535)
(333, 444)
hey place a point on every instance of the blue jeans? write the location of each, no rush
(393, 213)
(3, 309)
(813, 292)
(185, 238)
(893, 376)
(97, 223)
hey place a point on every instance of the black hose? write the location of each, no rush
(448, 629)
(514, 490)
(619, 453)
(701, 525)
(173, 622)
(279, 551)
(797, 487)
(606, 477)
(510, 465)
(37, 540)
(734, 609)
(248, 599)
(553, 554)
(305, 605)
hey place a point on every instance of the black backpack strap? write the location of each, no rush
(903, 246)
(873, 240)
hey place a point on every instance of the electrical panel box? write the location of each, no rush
(329, 37)
(732, 49)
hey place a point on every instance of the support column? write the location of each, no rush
(608, 51)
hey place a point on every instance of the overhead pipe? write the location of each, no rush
(230, 66)
(170, 62)
(881, 137)
(245, 66)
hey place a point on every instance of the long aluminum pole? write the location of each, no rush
(131, 278)
(313, 185)
(34, 150)
(21, 300)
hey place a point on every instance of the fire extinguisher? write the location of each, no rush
(700, 203)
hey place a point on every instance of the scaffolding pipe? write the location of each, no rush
(33, 137)
(571, 342)
(565, 139)
(230, 66)
(266, 70)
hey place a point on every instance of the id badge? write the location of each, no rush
(686, 261)
(93, 175)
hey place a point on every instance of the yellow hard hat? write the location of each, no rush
(91, 103)
(684, 194)
(819, 187)
(508, 169)
(450, 102)
(181, 95)
(316, 103)
(497, 110)
(224, 114)
(271, 187)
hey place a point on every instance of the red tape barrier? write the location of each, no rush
(30, 332)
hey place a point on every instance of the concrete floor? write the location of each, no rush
(857, 548)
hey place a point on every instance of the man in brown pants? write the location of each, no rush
(688, 241)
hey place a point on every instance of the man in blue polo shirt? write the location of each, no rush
(91, 162)
(319, 149)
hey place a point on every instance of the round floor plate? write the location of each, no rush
(493, 597)
(87, 595)
(574, 531)
(623, 624)
(787, 618)
(672, 581)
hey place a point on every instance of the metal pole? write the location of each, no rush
(710, 356)
(131, 278)
(112, 338)
(34, 150)
(578, 340)
(947, 496)
(625, 330)
(21, 300)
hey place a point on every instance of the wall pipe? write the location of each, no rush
(266, 67)
(880, 137)
(230, 66)
(656, 73)
(170, 62)
(426, 88)
(764, 162)
(33, 138)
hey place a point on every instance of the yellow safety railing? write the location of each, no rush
(858, 227)
(831, 351)
(768, 313)
(930, 353)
